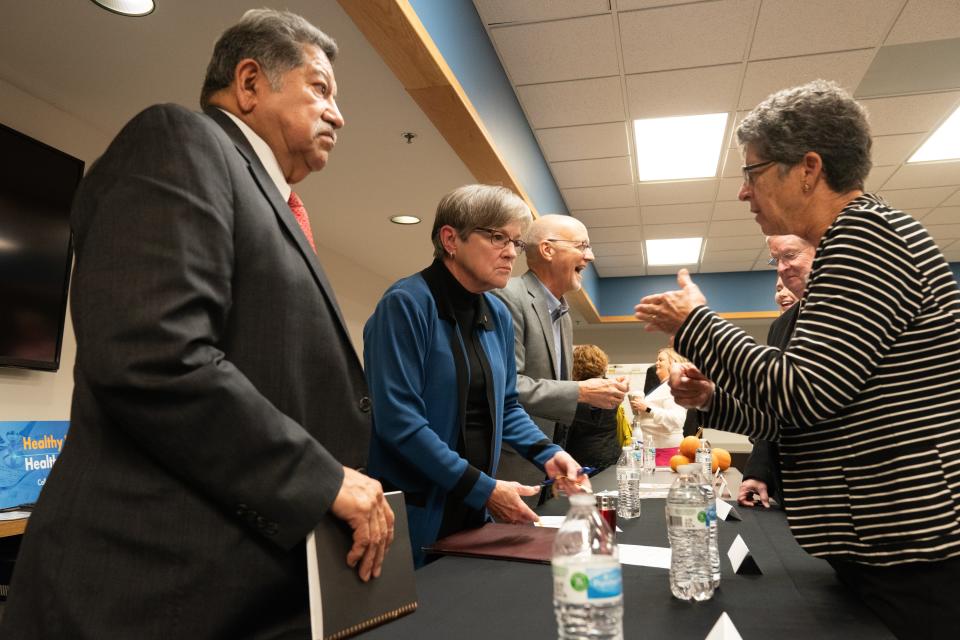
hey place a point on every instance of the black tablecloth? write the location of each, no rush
(797, 595)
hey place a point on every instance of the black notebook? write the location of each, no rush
(342, 605)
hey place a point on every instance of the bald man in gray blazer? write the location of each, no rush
(558, 250)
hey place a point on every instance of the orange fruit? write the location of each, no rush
(721, 459)
(689, 446)
(678, 460)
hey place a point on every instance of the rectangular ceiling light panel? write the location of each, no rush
(680, 147)
(943, 144)
(673, 251)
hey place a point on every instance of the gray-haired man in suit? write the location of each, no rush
(558, 250)
(218, 404)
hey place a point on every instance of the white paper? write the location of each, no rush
(738, 551)
(644, 556)
(554, 522)
(724, 509)
(14, 515)
(724, 629)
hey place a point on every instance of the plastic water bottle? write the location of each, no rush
(687, 528)
(649, 455)
(587, 584)
(705, 457)
(637, 443)
(706, 486)
(628, 485)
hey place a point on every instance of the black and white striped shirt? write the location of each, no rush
(866, 398)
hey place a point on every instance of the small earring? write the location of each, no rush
(806, 187)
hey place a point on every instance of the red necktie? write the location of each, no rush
(300, 213)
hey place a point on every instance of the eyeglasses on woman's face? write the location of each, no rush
(751, 171)
(500, 240)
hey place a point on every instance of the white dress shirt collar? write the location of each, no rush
(265, 154)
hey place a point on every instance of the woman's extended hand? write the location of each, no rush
(505, 504)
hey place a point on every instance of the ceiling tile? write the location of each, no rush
(621, 261)
(729, 189)
(923, 20)
(942, 215)
(761, 265)
(677, 230)
(616, 234)
(908, 114)
(592, 173)
(617, 248)
(918, 67)
(878, 177)
(619, 217)
(629, 5)
(735, 255)
(669, 213)
(917, 214)
(501, 11)
(732, 163)
(942, 232)
(587, 141)
(620, 272)
(712, 266)
(734, 143)
(685, 36)
(683, 93)
(927, 174)
(785, 28)
(768, 76)
(895, 149)
(732, 211)
(733, 228)
(669, 270)
(560, 104)
(917, 198)
(954, 199)
(558, 50)
(730, 243)
(952, 252)
(676, 192)
(600, 197)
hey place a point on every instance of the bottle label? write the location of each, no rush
(711, 513)
(687, 517)
(594, 582)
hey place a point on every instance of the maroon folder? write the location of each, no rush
(494, 540)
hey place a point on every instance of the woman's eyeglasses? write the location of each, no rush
(500, 240)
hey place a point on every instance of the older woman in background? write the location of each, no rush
(660, 417)
(438, 355)
(871, 464)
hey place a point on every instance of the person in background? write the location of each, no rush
(869, 461)
(660, 417)
(793, 257)
(784, 297)
(596, 435)
(219, 409)
(558, 250)
(439, 359)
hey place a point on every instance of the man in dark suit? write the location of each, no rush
(219, 409)
(558, 250)
(793, 258)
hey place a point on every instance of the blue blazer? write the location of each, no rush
(412, 374)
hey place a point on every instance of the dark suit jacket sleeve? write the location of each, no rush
(155, 264)
(542, 397)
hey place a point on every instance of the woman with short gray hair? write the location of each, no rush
(871, 464)
(438, 355)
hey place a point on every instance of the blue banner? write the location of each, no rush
(27, 451)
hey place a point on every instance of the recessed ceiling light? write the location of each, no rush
(134, 8)
(679, 147)
(405, 219)
(673, 251)
(943, 144)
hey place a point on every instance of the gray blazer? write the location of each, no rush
(216, 394)
(546, 397)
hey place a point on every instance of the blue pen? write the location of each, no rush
(585, 471)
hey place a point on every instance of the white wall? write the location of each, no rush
(39, 395)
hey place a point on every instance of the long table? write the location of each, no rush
(796, 596)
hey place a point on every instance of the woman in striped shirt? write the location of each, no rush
(864, 401)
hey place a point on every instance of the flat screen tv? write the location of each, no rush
(37, 183)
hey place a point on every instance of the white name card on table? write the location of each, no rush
(725, 511)
(740, 558)
(724, 629)
(643, 556)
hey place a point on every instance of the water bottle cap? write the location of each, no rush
(690, 469)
